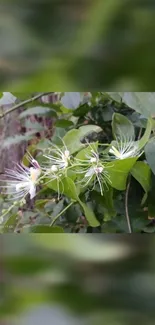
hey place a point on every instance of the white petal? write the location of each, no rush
(20, 186)
(90, 172)
(35, 173)
(32, 191)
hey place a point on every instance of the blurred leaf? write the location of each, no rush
(41, 203)
(73, 138)
(122, 127)
(82, 110)
(142, 102)
(115, 96)
(150, 153)
(84, 248)
(57, 208)
(62, 123)
(104, 204)
(18, 139)
(43, 144)
(142, 142)
(59, 133)
(67, 187)
(37, 110)
(10, 224)
(46, 229)
(71, 100)
(142, 173)
(151, 205)
(89, 214)
(34, 126)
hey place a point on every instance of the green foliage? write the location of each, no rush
(142, 173)
(142, 102)
(118, 171)
(122, 126)
(86, 163)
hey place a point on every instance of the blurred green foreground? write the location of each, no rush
(77, 45)
(70, 279)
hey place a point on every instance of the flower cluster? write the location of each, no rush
(90, 170)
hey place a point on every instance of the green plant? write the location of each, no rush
(95, 173)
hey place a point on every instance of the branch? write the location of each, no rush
(64, 210)
(24, 103)
(126, 206)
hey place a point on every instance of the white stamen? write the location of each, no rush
(54, 168)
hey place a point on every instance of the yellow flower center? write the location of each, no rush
(34, 174)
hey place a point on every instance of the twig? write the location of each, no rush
(126, 206)
(64, 210)
(140, 133)
(24, 103)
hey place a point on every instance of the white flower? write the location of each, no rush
(58, 159)
(92, 169)
(125, 148)
(99, 175)
(22, 181)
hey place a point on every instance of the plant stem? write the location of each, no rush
(64, 210)
(23, 103)
(126, 206)
(140, 133)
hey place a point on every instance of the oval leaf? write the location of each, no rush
(142, 102)
(37, 110)
(150, 153)
(71, 100)
(122, 127)
(118, 172)
(142, 173)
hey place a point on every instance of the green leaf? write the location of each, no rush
(142, 142)
(72, 141)
(122, 126)
(34, 126)
(58, 135)
(118, 171)
(150, 153)
(62, 123)
(115, 96)
(43, 144)
(73, 138)
(83, 154)
(10, 223)
(31, 149)
(82, 248)
(37, 110)
(82, 110)
(89, 214)
(109, 210)
(87, 129)
(18, 139)
(57, 208)
(142, 173)
(46, 229)
(67, 187)
(41, 203)
(104, 204)
(142, 102)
